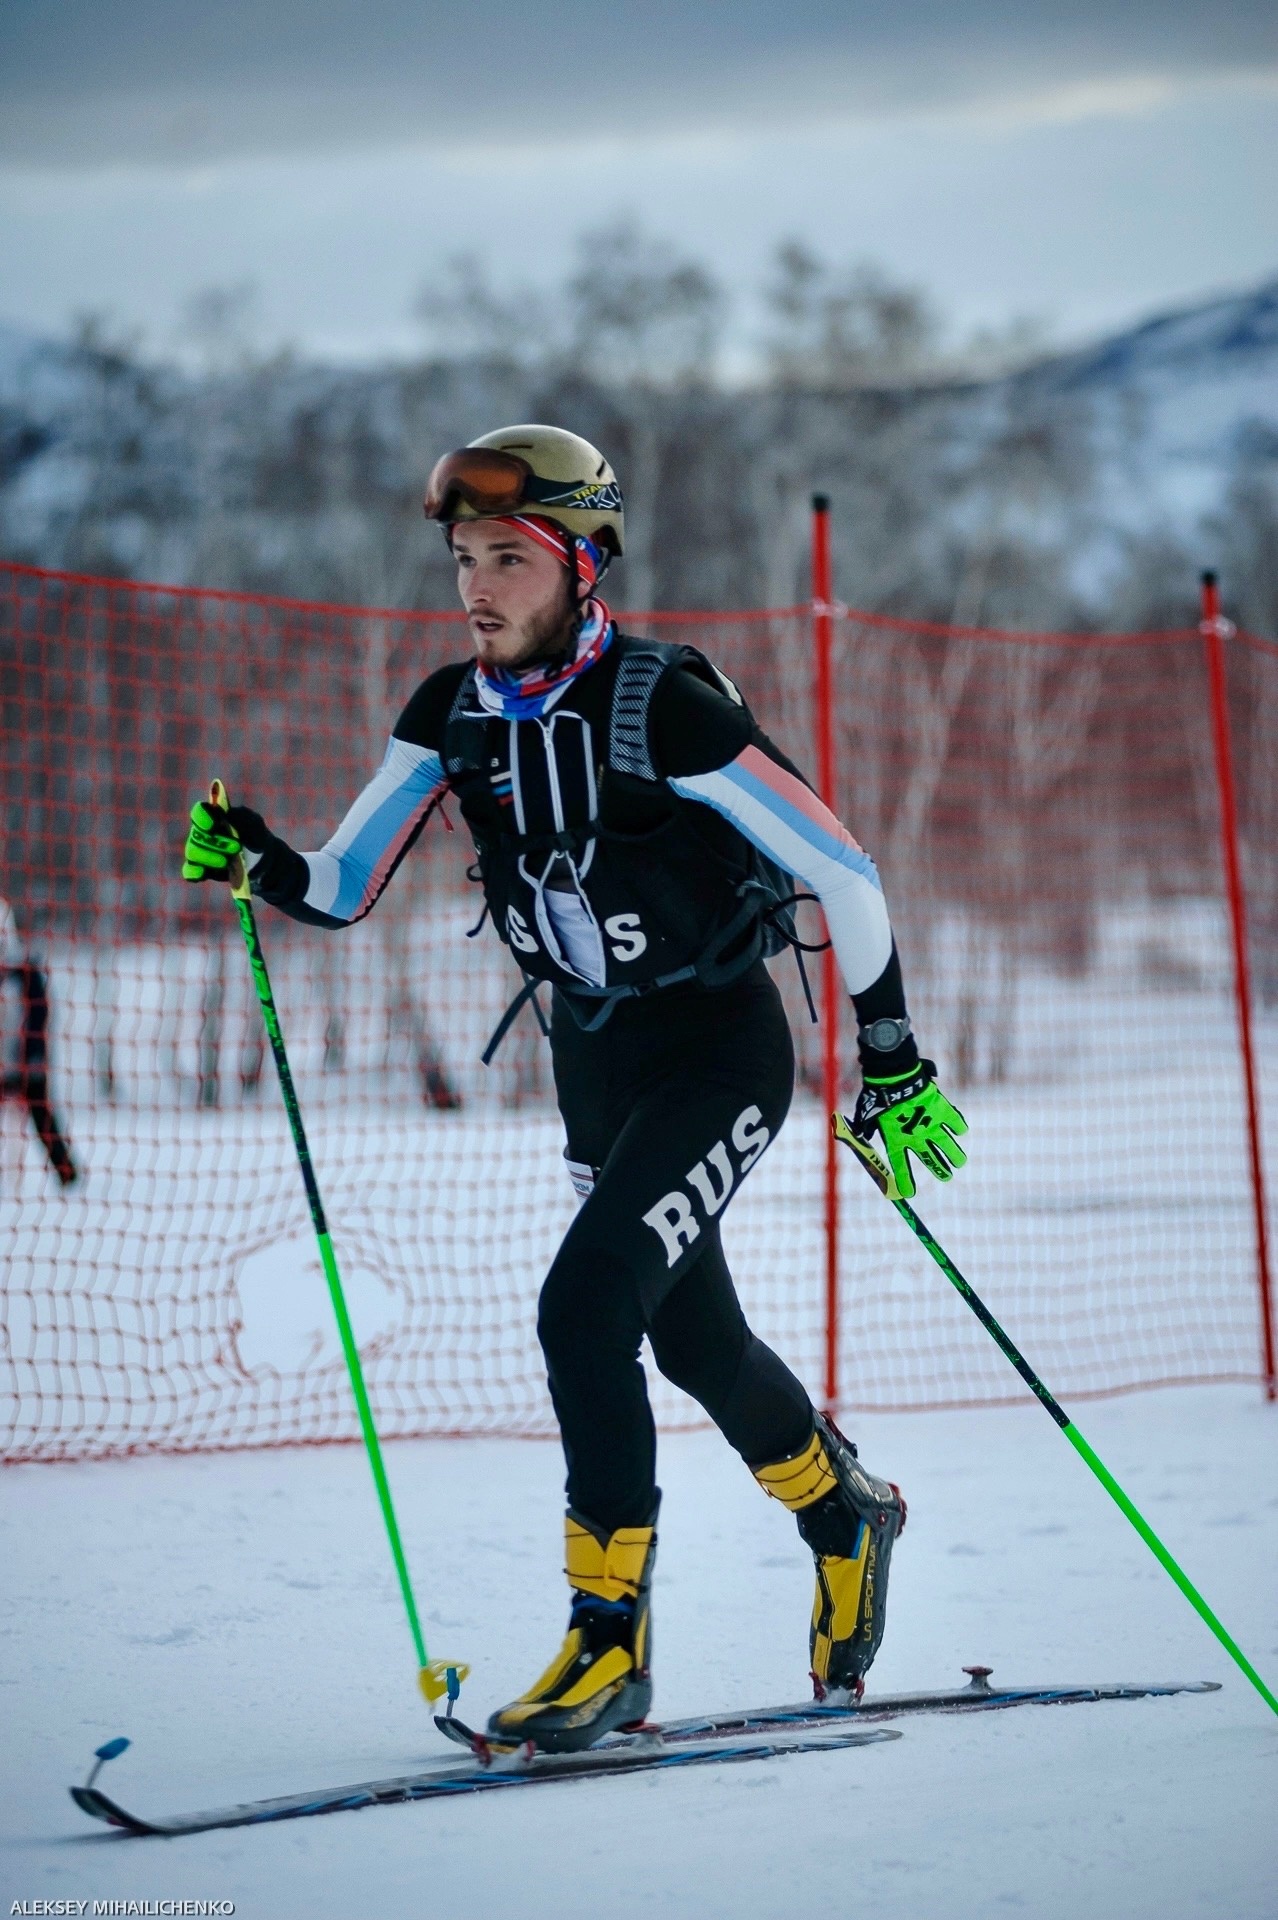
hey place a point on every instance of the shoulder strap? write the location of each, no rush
(640, 665)
(465, 731)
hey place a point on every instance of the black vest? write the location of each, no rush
(571, 803)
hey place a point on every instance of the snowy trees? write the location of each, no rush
(959, 491)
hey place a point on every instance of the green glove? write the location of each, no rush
(211, 845)
(911, 1115)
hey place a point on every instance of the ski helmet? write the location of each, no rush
(541, 470)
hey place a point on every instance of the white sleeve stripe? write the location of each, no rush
(326, 880)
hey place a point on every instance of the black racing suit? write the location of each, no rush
(667, 1104)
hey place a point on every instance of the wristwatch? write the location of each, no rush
(884, 1036)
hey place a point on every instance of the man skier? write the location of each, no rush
(630, 819)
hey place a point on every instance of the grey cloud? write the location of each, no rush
(165, 83)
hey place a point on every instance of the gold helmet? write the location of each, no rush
(542, 470)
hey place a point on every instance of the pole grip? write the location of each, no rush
(239, 872)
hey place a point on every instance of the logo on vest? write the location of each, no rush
(628, 938)
(712, 1180)
(517, 931)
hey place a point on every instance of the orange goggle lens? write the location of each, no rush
(488, 480)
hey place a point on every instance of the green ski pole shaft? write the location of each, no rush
(434, 1684)
(886, 1186)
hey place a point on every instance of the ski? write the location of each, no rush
(760, 1733)
(978, 1695)
(638, 1753)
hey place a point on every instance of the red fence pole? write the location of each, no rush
(1213, 630)
(831, 1004)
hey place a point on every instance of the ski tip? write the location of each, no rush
(89, 1801)
(461, 1735)
(98, 1807)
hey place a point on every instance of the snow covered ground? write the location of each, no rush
(237, 1616)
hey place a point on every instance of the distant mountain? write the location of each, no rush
(1178, 403)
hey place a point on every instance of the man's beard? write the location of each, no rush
(551, 633)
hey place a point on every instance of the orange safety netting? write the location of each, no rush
(1045, 815)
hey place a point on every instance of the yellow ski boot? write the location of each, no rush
(850, 1520)
(600, 1679)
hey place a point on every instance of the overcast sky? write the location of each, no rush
(1080, 163)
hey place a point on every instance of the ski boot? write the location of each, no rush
(850, 1520)
(600, 1679)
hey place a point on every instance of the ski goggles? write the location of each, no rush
(492, 483)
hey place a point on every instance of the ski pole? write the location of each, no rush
(886, 1184)
(435, 1677)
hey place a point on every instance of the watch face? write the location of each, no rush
(883, 1035)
